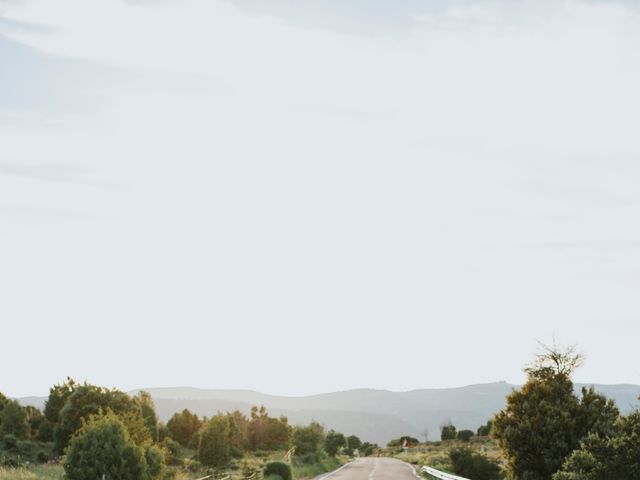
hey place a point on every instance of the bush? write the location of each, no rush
(10, 442)
(468, 464)
(183, 426)
(279, 469)
(616, 456)
(464, 435)
(214, 448)
(308, 440)
(334, 442)
(448, 432)
(103, 447)
(14, 420)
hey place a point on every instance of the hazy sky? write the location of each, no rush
(298, 197)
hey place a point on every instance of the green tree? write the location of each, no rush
(612, 457)
(448, 431)
(468, 464)
(485, 430)
(353, 443)
(367, 449)
(214, 446)
(545, 421)
(35, 419)
(333, 442)
(14, 420)
(307, 440)
(103, 447)
(58, 395)
(148, 412)
(87, 400)
(464, 435)
(183, 426)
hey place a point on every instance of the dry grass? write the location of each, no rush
(40, 472)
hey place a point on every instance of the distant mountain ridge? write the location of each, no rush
(374, 415)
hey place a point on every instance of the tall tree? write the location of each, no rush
(87, 400)
(545, 421)
(607, 457)
(14, 420)
(214, 446)
(333, 442)
(148, 412)
(183, 426)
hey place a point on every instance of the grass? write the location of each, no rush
(436, 454)
(236, 468)
(39, 472)
(323, 465)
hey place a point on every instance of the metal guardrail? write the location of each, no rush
(441, 475)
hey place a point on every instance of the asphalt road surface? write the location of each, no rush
(372, 469)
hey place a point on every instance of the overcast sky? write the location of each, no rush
(298, 197)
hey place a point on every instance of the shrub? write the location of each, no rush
(468, 464)
(334, 442)
(465, 435)
(103, 447)
(183, 426)
(10, 442)
(14, 420)
(308, 440)
(353, 443)
(279, 469)
(213, 447)
(613, 457)
(448, 432)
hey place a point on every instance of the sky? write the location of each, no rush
(301, 197)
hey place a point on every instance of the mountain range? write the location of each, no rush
(373, 415)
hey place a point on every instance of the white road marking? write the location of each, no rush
(374, 469)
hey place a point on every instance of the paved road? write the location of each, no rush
(373, 469)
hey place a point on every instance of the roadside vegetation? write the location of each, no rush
(545, 432)
(86, 431)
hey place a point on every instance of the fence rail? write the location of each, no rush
(441, 475)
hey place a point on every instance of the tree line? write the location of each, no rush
(101, 431)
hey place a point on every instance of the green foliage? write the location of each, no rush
(214, 446)
(148, 413)
(265, 432)
(154, 457)
(163, 432)
(279, 469)
(464, 435)
(18, 452)
(448, 431)
(14, 420)
(367, 449)
(103, 447)
(545, 421)
(398, 442)
(333, 442)
(353, 443)
(307, 440)
(58, 395)
(88, 400)
(468, 464)
(183, 426)
(485, 430)
(613, 457)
